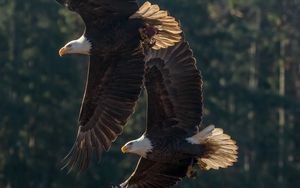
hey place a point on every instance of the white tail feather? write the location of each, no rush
(169, 29)
(221, 149)
(201, 136)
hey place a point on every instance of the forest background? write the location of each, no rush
(248, 52)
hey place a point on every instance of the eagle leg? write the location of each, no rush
(147, 33)
(191, 173)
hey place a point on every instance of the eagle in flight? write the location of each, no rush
(130, 46)
(174, 143)
(117, 33)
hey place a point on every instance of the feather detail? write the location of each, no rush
(221, 150)
(167, 29)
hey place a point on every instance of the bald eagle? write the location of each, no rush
(173, 143)
(116, 34)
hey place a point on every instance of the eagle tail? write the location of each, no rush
(161, 30)
(221, 150)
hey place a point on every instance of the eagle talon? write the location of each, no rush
(159, 25)
(191, 173)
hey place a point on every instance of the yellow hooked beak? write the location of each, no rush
(124, 149)
(63, 51)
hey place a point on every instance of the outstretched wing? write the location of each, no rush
(154, 174)
(112, 89)
(174, 89)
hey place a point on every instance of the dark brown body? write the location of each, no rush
(115, 37)
(170, 149)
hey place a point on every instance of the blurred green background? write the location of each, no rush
(247, 50)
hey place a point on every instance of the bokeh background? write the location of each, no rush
(248, 52)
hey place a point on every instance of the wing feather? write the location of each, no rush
(155, 174)
(112, 90)
(174, 89)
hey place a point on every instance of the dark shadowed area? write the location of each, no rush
(248, 52)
